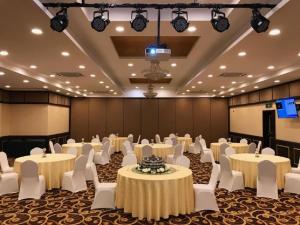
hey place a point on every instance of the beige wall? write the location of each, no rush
(248, 120)
(33, 119)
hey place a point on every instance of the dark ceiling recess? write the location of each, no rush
(147, 81)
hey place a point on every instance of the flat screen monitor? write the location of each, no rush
(286, 108)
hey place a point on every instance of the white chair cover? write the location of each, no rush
(223, 146)
(244, 141)
(5, 168)
(32, 184)
(127, 148)
(105, 139)
(74, 181)
(187, 135)
(51, 147)
(195, 148)
(268, 151)
(222, 140)
(146, 151)
(71, 141)
(8, 183)
(292, 183)
(102, 157)
(182, 160)
(296, 169)
(95, 140)
(36, 151)
(72, 151)
(130, 138)
(88, 170)
(57, 148)
(230, 151)
(145, 141)
(172, 135)
(174, 141)
(252, 148)
(168, 141)
(177, 152)
(86, 148)
(203, 143)
(266, 180)
(129, 159)
(205, 155)
(157, 139)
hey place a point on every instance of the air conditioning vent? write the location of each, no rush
(231, 75)
(69, 74)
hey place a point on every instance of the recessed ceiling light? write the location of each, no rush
(233, 82)
(58, 85)
(106, 86)
(115, 93)
(33, 66)
(249, 76)
(222, 67)
(75, 96)
(130, 64)
(276, 81)
(137, 87)
(77, 86)
(85, 90)
(242, 91)
(168, 75)
(111, 90)
(84, 95)
(222, 96)
(162, 87)
(36, 31)
(173, 64)
(120, 29)
(133, 74)
(67, 82)
(3, 53)
(91, 93)
(232, 94)
(57, 90)
(214, 90)
(192, 29)
(199, 82)
(101, 82)
(69, 89)
(222, 87)
(256, 87)
(241, 54)
(183, 93)
(187, 90)
(81, 67)
(210, 75)
(65, 53)
(7, 86)
(92, 75)
(68, 93)
(2, 73)
(274, 32)
(25, 81)
(299, 54)
(45, 87)
(78, 92)
(271, 67)
(52, 75)
(193, 86)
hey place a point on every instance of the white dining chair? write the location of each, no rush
(57, 148)
(86, 148)
(168, 141)
(5, 168)
(71, 141)
(37, 151)
(128, 147)
(292, 183)
(88, 168)
(230, 180)
(244, 141)
(74, 180)
(130, 138)
(268, 151)
(147, 151)
(102, 157)
(145, 141)
(177, 152)
(105, 139)
(252, 148)
(195, 147)
(182, 160)
(8, 183)
(129, 159)
(205, 198)
(266, 185)
(51, 146)
(32, 184)
(72, 151)
(205, 155)
(104, 193)
(95, 140)
(157, 139)
(187, 135)
(172, 135)
(296, 169)
(230, 151)
(222, 140)
(223, 146)
(203, 143)
(174, 141)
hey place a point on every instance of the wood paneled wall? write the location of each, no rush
(206, 116)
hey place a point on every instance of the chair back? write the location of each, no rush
(57, 148)
(95, 140)
(177, 151)
(106, 146)
(129, 159)
(187, 135)
(111, 136)
(3, 162)
(252, 148)
(229, 151)
(203, 143)
(91, 157)
(168, 141)
(95, 175)
(29, 170)
(105, 139)
(198, 145)
(268, 151)
(51, 147)
(174, 141)
(130, 138)
(146, 151)
(266, 171)
(72, 151)
(182, 160)
(139, 138)
(71, 141)
(172, 135)
(222, 140)
(86, 148)
(80, 165)
(126, 147)
(157, 138)
(36, 151)
(244, 141)
(214, 176)
(145, 141)
(223, 146)
(225, 166)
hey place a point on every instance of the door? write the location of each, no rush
(269, 130)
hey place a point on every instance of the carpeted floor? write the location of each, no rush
(63, 207)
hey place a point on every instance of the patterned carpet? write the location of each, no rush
(63, 207)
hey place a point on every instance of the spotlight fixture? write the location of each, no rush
(219, 21)
(259, 23)
(140, 21)
(100, 22)
(180, 22)
(60, 21)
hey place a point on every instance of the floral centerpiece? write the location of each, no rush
(152, 165)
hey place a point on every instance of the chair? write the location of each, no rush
(36, 151)
(105, 139)
(32, 184)
(177, 152)
(194, 148)
(187, 135)
(223, 146)
(292, 183)
(172, 135)
(71, 141)
(296, 169)
(182, 160)
(102, 157)
(230, 180)
(74, 180)
(95, 140)
(130, 138)
(157, 139)
(252, 148)
(205, 198)
(266, 184)
(8, 183)
(229, 151)
(146, 151)
(258, 146)
(222, 140)
(205, 155)
(145, 142)
(72, 151)
(88, 168)
(203, 143)
(51, 147)
(174, 141)
(129, 159)
(111, 136)
(168, 141)
(244, 141)
(127, 148)
(268, 151)
(57, 148)
(104, 193)
(5, 168)
(86, 148)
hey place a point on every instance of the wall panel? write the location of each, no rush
(266, 95)
(201, 112)
(184, 116)
(295, 89)
(132, 117)
(97, 117)
(219, 119)
(80, 119)
(149, 118)
(166, 115)
(114, 116)
(281, 91)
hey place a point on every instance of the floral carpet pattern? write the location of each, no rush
(63, 207)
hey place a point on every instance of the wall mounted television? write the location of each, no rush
(286, 108)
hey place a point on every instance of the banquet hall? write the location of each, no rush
(150, 112)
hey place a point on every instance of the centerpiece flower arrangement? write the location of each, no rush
(152, 165)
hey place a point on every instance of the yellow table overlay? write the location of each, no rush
(161, 150)
(96, 146)
(239, 148)
(247, 164)
(52, 167)
(155, 196)
(117, 143)
(188, 142)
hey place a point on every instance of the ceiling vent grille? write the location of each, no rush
(69, 74)
(231, 75)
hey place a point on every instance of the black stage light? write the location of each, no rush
(180, 23)
(99, 23)
(259, 23)
(219, 21)
(139, 23)
(60, 21)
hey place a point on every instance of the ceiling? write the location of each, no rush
(105, 56)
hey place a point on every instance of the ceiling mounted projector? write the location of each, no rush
(156, 52)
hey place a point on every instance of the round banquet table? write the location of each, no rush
(117, 143)
(161, 150)
(180, 140)
(239, 148)
(155, 196)
(96, 146)
(52, 167)
(247, 164)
